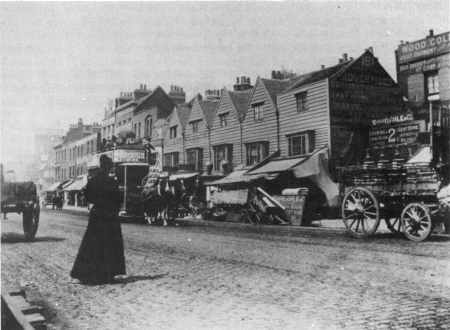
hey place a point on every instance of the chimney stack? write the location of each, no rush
(345, 57)
(177, 94)
(431, 33)
(242, 84)
(322, 66)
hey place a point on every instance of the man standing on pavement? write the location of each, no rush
(101, 254)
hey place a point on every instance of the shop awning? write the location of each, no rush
(77, 184)
(278, 165)
(53, 187)
(178, 176)
(238, 176)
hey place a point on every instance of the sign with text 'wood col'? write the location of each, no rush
(395, 130)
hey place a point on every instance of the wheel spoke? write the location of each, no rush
(370, 213)
(357, 225)
(352, 223)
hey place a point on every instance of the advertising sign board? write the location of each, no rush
(424, 48)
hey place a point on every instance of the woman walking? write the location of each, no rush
(101, 255)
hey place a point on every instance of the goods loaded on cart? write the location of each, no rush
(403, 179)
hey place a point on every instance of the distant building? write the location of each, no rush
(423, 72)
(72, 155)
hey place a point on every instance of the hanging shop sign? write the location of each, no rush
(428, 47)
(394, 131)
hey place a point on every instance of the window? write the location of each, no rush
(432, 81)
(300, 98)
(148, 126)
(194, 157)
(173, 132)
(222, 154)
(195, 125)
(258, 112)
(171, 159)
(223, 118)
(256, 152)
(301, 143)
(139, 130)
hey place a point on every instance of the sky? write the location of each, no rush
(62, 61)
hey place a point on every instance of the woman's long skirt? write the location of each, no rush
(101, 254)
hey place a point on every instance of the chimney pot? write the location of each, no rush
(322, 66)
(345, 56)
(431, 33)
(341, 60)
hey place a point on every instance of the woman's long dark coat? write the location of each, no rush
(101, 254)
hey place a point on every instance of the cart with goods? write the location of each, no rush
(21, 197)
(242, 201)
(403, 184)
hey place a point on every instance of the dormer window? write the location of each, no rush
(300, 99)
(173, 132)
(223, 119)
(258, 111)
(195, 125)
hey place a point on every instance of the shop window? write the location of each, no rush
(194, 157)
(301, 99)
(223, 119)
(258, 111)
(222, 154)
(256, 152)
(173, 132)
(432, 83)
(195, 125)
(301, 143)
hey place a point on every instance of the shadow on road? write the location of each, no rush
(11, 238)
(136, 278)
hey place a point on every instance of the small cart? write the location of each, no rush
(21, 197)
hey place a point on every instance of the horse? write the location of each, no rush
(157, 198)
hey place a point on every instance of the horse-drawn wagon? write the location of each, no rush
(405, 184)
(21, 197)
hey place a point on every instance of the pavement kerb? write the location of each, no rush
(234, 225)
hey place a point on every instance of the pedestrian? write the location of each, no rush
(101, 254)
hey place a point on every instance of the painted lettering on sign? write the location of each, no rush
(431, 46)
(396, 133)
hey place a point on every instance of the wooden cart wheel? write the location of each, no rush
(394, 225)
(30, 221)
(416, 222)
(360, 212)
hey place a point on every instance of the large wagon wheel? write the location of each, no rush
(30, 221)
(394, 224)
(416, 222)
(360, 212)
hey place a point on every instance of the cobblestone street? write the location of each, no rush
(203, 277)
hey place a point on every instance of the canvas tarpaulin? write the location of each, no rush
(316, 168)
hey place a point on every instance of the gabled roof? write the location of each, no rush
(209, 109)
(183, 112)
(125, 105)
(240, 101)
(314, 76)
(152, 97)
(276, 86)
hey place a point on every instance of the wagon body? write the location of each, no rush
(21, 197)
(405, 197)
